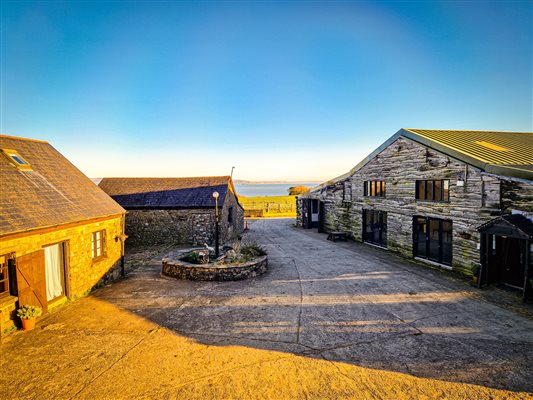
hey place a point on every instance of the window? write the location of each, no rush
(347, 191)
(4, 276)
(16, 159)
(375, 227)
(98, 244)
(230, 215)
(433, 239)
(434, 190)
(374, 188)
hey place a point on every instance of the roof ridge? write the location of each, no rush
(165, 177)
(464, 130)
(22, 138)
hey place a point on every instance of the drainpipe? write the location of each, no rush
(122, 243)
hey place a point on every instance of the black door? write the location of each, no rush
(432, 239)
(375, 227)
(507, 260)
(321, 217)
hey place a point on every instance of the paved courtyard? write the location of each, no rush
(329, 320)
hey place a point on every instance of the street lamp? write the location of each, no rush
(215, 195)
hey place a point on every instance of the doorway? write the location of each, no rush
(375, 227)
(54, 266)
(506, 260)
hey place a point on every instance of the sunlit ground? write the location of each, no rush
(92, 349)
(327, 321)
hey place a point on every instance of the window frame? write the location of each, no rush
(443, 193)
(12, 155)
(347, 192)
(373, 187)
(94, 245)
(230, 215)
(5, 280)
(427, 245)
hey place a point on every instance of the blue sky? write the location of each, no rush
(280, 90)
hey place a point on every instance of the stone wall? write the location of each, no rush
(155, 227)
(229, 231)
(83, 272)
(482, 197)
(194, 226)
(214, 272)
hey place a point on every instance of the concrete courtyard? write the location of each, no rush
(329, 320)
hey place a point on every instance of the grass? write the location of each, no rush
(269, 206)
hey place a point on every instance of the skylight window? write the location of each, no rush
(16, 159)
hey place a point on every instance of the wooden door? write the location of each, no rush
(31, 280)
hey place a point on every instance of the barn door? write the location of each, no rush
(31, 280)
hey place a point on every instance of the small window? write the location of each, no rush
(347, 191)
(434, 190)
(374, 188)
(4, 276)
(98, 244)
(230, 215)
(16, 159)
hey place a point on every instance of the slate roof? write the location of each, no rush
(167, 193)
(501, 153)
(517, 221)
(53, 192)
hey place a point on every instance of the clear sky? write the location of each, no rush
(280, 90)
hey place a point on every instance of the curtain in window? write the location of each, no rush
(52, 260)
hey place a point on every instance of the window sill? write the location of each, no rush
(98, 259)
(433, 201)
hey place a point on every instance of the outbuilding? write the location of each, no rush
(460, 200)
(60, 235)
(177, 210)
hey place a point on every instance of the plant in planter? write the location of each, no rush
(28, 315)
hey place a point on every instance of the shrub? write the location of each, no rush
(296, 190)
(253, 250)
(29, 312)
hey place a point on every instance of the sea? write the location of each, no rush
(268, 189)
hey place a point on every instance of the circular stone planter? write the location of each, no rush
(215, 272)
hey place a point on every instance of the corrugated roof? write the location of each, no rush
(496, 148)
(502, 153)
(192, 192)
(53, 192)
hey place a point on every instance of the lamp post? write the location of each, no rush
(215, 195)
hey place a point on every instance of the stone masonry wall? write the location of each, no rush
(481, 198)
(84, 273)
(228, 230)
(184, 226)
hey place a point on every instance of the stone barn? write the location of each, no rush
(177, 210)
(460, 200)
(60, 235)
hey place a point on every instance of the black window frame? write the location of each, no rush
(443, 195)
(374, 186)
(440, 259)
(381, 225)
(230, 215)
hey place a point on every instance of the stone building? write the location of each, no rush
(177, 210)
(462, 200)
(59, 233)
